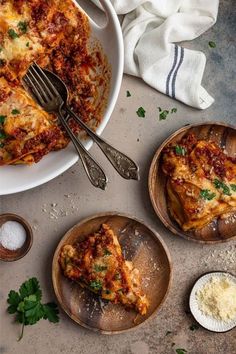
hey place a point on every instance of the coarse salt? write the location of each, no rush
(12, 235)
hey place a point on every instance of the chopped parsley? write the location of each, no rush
(100, 268)
(95, 285)
(193, 327)
(173, 110)
(221, 185)
(2, 119)
(2, 135)
(181, 351)
(107, 252)
(27, 44)
(163, 115)
(128, 94)
(207, 194)
(141, 112)
(212, 44)
(180, 150)
(15, 111)
(22, 25)
(168, 332)
(233, 187)
(12, 34)
(159, 109)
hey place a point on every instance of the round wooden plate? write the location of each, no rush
(219, 230)
(141, 245)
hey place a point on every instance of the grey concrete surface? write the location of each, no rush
(76, 199)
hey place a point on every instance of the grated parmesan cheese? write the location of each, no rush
(217, 298)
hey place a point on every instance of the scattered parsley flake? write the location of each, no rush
(141, 112)
(27, 306)
(168, 332)
(128, 94)
(2, 119)
(207, 194)
(159, 109)
(23, 26)
(99, 268)
(193, 327)
(163, 115)
(15, 111)
(212, 44)
(181, 351)
(180, 150)
(221, 185)
(233, 187)
(107, 252)
(2, 135)
(95, 285)
(173, 110)
(12, 34)
(27, 44)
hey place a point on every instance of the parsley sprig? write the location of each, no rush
(180, 150)
(207, 194)
(27, 306)
(221, 185)
(141, 112)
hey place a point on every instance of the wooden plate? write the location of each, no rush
(220, 230)
(141, 245)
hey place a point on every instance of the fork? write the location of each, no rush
(121, 162)
(48, 97)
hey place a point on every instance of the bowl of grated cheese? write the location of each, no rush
(16, 237)
(213, 301)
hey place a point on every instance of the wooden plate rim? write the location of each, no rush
(29, 232)
(55, 260)
(150, 176)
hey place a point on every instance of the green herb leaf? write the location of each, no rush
(212, 44)
(128, 94)
(2, 135)
(207, 194)
(2, 119)
(22, 25)
(141, 112)
(159, 109)
(221, 185)
(28, 307)
(163, 115)
(193, 327)
(12, 34)
(99, 268)
(181, 351)
(15, 111)
(107, 252)
(168, 332)
(95, 285)
(173, 110)
(233, 187)
(180, 150)
(51, 312)
(27, 44)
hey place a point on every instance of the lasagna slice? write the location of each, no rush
(201, 182)
(97, 263)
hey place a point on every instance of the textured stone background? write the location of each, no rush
(139, 138)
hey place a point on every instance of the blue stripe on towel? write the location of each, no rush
(171, 70)
(176, 71)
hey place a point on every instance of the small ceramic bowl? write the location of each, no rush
(8, 255)
(205, 321)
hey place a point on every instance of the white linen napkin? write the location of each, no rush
(151, 29)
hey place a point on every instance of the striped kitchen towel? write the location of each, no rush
(151, 31)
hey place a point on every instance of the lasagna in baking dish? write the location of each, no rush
(201, 181)
(55, 34)
(97, 263)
